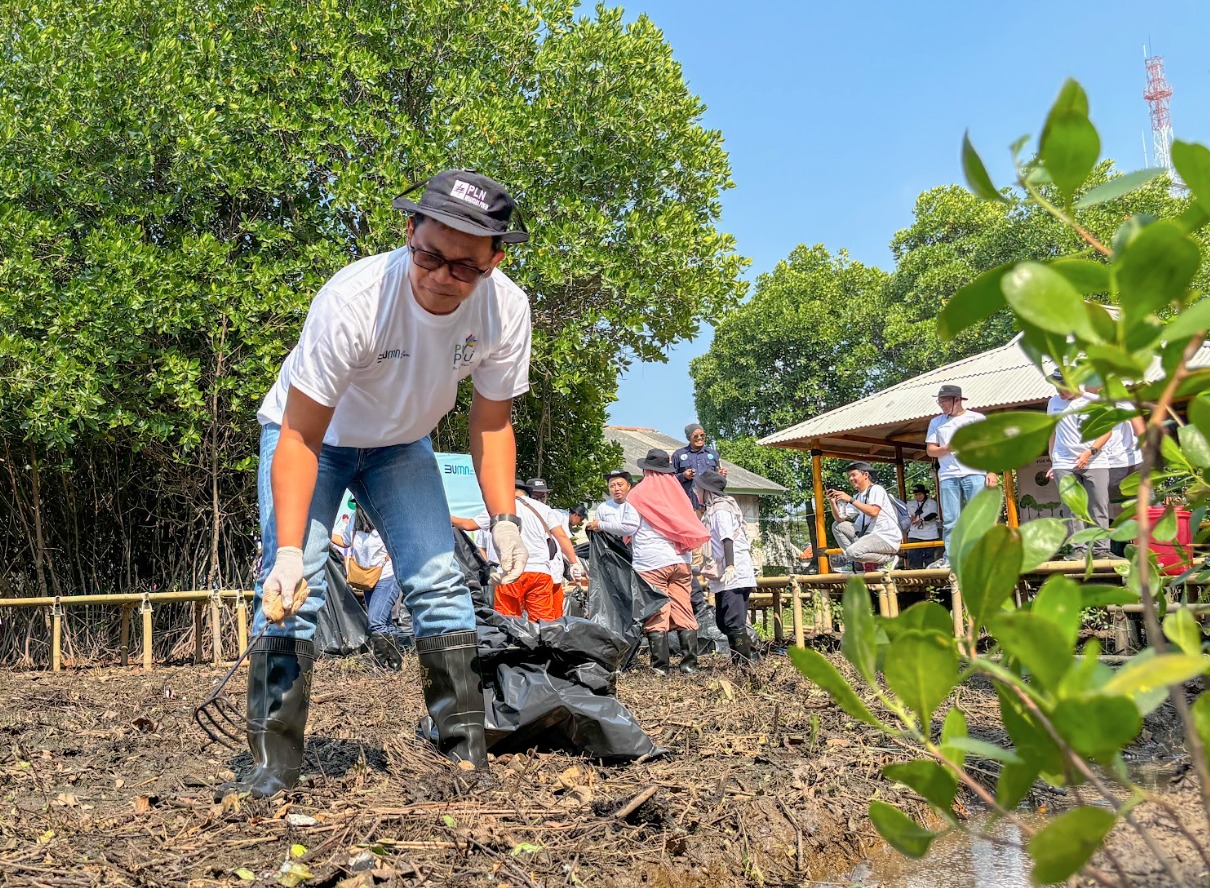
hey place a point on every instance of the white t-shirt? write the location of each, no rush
(390, 368)
(941, 432)
(1069, 439)
(929, 530)
(534, 531)
(886, 525)
(1121, 451)
(723, 526)
(556, 563)
(615, 518)
(370, 551)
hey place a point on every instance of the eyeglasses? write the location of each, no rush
(459, 271)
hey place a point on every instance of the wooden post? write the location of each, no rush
(145, 610)
(56, 638)
(821, 520)
(884, 605)
(956, 603)
(799, 638)
(125, 635)
(900, 472)
(241, 622)
(828, 625)
(1010, 499)
(892, 596)
(197, 633)
(216, 626)
(779, 634)
(1121, 631)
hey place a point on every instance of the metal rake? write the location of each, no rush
(217, 715)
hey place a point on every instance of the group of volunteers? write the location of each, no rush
(385, 343)
(869, 525)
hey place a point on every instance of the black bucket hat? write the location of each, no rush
(580, 510)
(537, 485)
(657, 461)
(920, 488)
(522, 485)
(861, 466)
(951, 391)
(710, 481)
(466, 201)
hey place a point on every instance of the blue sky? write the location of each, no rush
(836, 116)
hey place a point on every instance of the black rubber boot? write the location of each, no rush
(688, 638)
(658, 644)
(279, 697)
(741, 648)
(453, 690)
(386, 652)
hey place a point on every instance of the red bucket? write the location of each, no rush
(1175, 557)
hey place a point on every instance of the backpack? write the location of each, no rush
(902, 513)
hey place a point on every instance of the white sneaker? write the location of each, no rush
(892, 564)
(939, 564)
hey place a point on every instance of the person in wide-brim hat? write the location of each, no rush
(466, 201)
(951, 391)
(657, 461)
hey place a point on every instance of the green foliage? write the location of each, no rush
(178, 180)
(1062, 708)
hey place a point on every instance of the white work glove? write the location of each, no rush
(285, 588)
(728, 576)
(577, 572)
(506, 537)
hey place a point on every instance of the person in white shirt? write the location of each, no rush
(1070, 454)
(613, 512)
(867, 525)
(383, 348)
(365, 545)
(1122, 455)
(532, 595)
(957, 484)
(925, 527)
(731, 551)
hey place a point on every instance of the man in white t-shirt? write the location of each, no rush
(377, 365)
(534, 594)
(867, 525)
(613, 511)
(922, 510)
(1070, 454)
(957, 484)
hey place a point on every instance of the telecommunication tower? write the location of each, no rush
(1158, 93)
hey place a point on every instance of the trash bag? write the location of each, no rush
(618, 598)
(550, 686)
(342, 626)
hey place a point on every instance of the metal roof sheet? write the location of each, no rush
(635, 443)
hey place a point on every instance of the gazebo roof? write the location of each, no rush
(896, 419)
(635, 443)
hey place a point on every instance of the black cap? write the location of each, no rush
(710, 481)
(537, 485)
(468, 202)
(920, 488)
(580, 510)
(657, 461)
(861, 465)
(521, 485)
(951, 391)
(619, 473)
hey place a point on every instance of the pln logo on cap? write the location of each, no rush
(469, 193)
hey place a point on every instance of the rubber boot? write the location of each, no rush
(688, 638)
(658, 644)
(279, 698)
(386, 652)
(741, 648)
(453, 690)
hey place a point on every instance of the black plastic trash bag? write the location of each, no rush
(618, 598)
(342, 626)
(550, 686)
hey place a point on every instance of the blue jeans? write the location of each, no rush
(955, 493)
(400, 489)
(380, 605)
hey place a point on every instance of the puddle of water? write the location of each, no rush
(957, 860)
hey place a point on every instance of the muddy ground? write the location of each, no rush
(105, 780)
